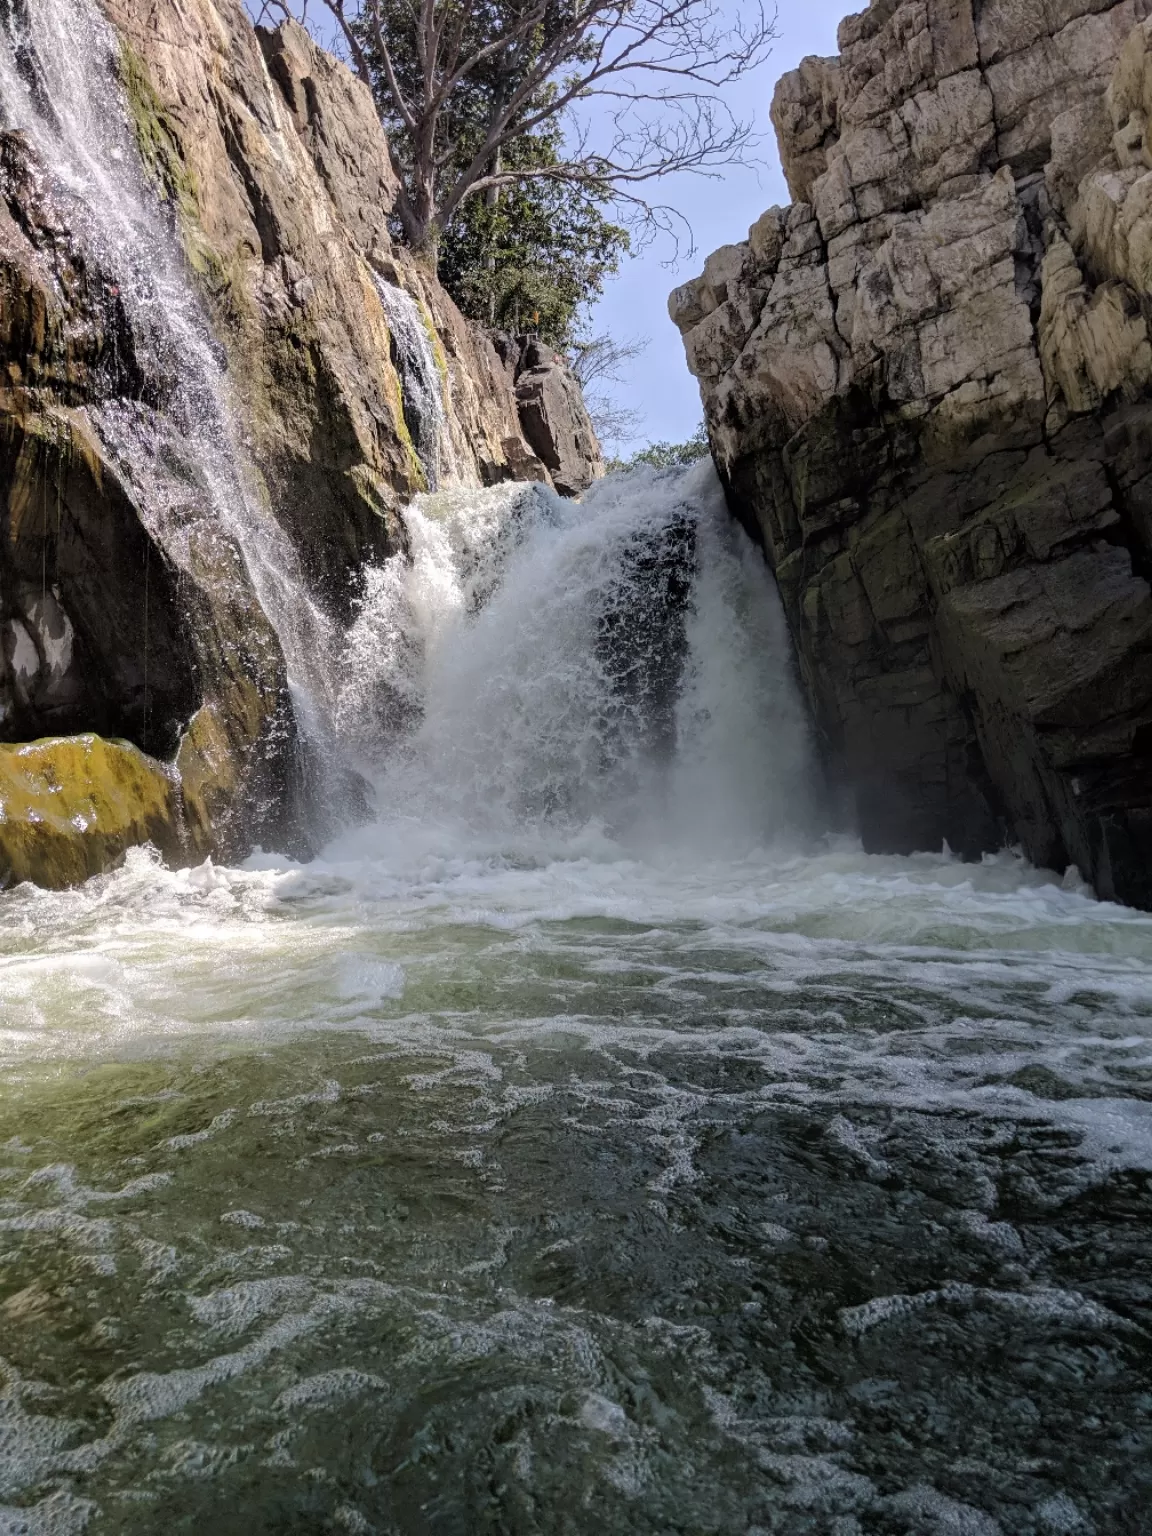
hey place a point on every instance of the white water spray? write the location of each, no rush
(542, 667)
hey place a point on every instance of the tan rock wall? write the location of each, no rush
(289, 188)
(927, 387)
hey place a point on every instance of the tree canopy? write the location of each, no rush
(667, 455)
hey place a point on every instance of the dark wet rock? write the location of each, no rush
(642, 639)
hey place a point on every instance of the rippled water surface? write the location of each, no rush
(806, 1193)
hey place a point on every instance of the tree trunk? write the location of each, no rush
(425, 245)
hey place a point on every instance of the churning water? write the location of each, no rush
(587, 1144)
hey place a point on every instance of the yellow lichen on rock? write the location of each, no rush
(70, 806)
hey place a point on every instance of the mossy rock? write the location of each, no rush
(71, 806)
(156, 136)
(162, 155)
(210, 771)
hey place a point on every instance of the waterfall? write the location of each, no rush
(540, 666)
(421, 387)
(194, 488)
(531, 664)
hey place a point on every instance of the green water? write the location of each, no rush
(573, 1197)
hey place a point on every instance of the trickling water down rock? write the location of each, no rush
(421, 386)
(136, 569)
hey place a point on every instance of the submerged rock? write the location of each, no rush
(927, 389)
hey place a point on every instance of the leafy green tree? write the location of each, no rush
(667, 455)
(532, 254)
(634, 89)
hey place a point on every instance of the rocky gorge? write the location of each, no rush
(221, 380)
(454, 1078)
(928, 389)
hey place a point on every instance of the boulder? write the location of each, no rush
(555, 420)
(70, 807)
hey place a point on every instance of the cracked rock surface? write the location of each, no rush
(927, 390)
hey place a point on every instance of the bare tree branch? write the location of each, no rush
(603, 358)
(615, 424)
(637, 85)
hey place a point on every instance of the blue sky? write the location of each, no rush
(658, 383)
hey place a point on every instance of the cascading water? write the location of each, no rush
(421, 387)
(537, 667)
(59, 87)
(584, 1145)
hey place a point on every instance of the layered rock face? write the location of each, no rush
(129, 606)
(273, 159)
(928, 388)
(553, 416)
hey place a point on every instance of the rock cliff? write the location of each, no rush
(279, 174)
(136, 601)
(928, 389)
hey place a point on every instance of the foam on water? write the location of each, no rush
(637, 1141)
